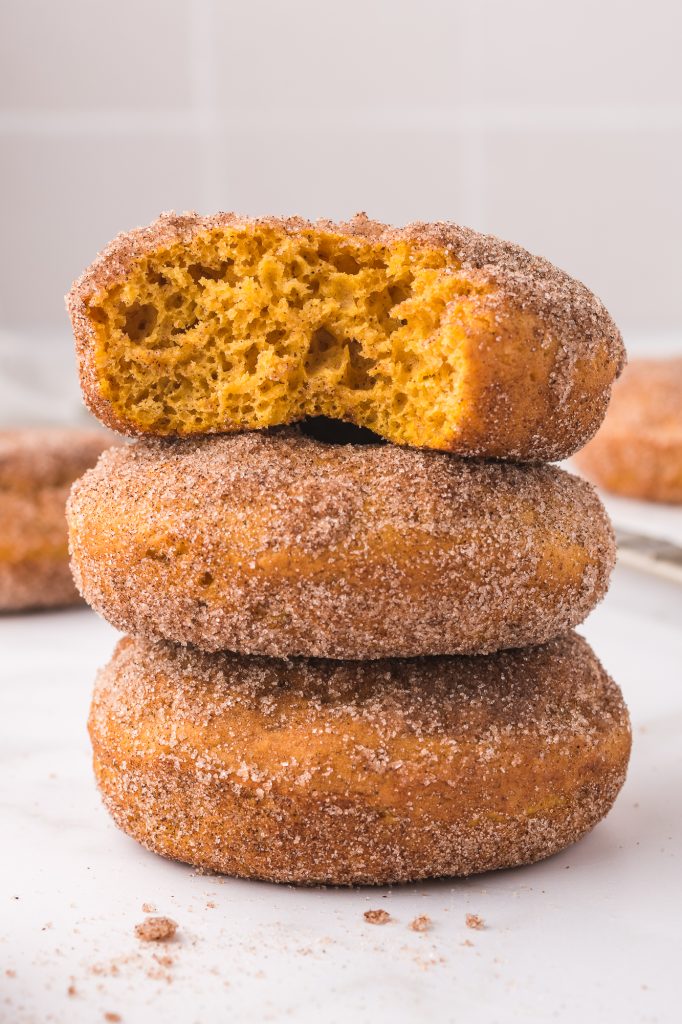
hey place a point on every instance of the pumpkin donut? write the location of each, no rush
(357, 772)
(430, 335)
(638, 451)
(281, 545)
(37, 467)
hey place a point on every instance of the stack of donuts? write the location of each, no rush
(347, 572)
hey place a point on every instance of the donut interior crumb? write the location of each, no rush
(148, 908)
(377, 916)
(421, 923)
(156, 929)
(258, 327)
(474, 921)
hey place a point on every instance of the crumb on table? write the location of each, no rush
(377, 916)
(474, 921)
(421, 923)
(156, 929)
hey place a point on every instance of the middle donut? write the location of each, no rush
(281, 545)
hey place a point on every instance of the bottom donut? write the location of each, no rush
(312, 771)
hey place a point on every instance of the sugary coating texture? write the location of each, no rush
(357, 772)
(279, 544)
(431, 335)
(638, 450)
(37, 467)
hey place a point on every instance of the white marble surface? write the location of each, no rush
(591, 935)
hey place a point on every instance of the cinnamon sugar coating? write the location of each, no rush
(278, 544)
(638, 450)
(484, 350)
(357, 772)
(37, 467)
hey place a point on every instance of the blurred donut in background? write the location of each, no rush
(37, 467)
(638, 450)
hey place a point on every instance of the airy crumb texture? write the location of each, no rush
(357, 772)
(422, 923)
(278, 544)
(638, 451)
(37, 467)
(475, 922)
(431, 335)
(377, 916)
(156, 929)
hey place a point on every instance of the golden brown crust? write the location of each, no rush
(542, 376)
(37, 468)
(638, 451)
(278, 544)
(351, 772)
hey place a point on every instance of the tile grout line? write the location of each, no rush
(202, 116)
(202, 58)
(471, 153)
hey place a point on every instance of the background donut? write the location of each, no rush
(281, 545)
(352, 772)
(37, 468)
(638, 450)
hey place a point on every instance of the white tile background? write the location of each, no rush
(557, 124)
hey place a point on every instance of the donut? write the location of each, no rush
(282, 545)
(37, 467)
(638, 451)
(314, 771)
(431, 335)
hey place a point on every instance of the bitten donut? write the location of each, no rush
(281, 545)
(357, 772)
(37, 468)
(638, 451)
(430, 335)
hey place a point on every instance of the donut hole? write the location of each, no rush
(140, 321)
(331, 431)
(199, 272)
(324, 352)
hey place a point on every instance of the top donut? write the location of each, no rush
(431, 335)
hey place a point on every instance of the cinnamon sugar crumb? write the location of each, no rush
(422, 923)
(377, 916)
(474, 921)
(156, 929)
(72, 991)
(113, 1017)
(148, 908)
